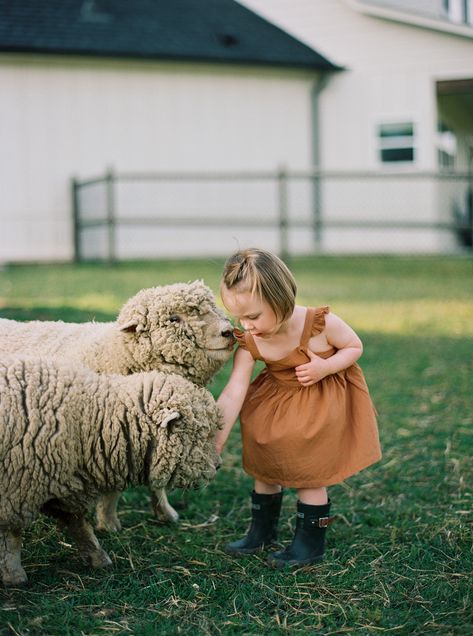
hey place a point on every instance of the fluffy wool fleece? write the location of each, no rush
(173, 328)
(68, 434)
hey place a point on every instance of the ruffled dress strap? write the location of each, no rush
(245, 341)
(314, 323)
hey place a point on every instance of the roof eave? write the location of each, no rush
(327, 66)
(412, 19)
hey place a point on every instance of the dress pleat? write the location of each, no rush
(306, 437)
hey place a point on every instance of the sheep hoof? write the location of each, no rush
(167, 516)
(99, 559)
(15, 578)
(162, 509)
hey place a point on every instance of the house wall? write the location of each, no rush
(62, 117)
(391, 74)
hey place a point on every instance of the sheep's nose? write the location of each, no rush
(228, 333)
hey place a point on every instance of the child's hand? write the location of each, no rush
(313, 371)
(220, 439)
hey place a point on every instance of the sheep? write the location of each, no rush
(173, 328)
(68, 434)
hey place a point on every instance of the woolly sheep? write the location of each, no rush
(173, 328)
(68, 434)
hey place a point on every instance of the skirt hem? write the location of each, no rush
(332, 481)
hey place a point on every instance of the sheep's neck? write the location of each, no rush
(109, 355)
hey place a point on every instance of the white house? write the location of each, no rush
(404, 103)
(145, 86)
(156, 86)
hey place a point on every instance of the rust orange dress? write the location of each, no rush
(306, 437)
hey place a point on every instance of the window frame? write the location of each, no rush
(395, 142)
(459, 11)
(447, 147)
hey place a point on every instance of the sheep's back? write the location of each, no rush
(49, 338)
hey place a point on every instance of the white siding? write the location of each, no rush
(431, 8)
(391, 70)
(390, 75)
(61, 118)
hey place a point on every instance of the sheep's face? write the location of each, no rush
(185, 420)
(177, 329)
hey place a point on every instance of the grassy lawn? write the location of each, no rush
(400, 557)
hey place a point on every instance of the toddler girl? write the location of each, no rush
(307, 420)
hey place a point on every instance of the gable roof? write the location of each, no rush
(221, 31)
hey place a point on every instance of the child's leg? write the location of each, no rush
(265, 508)
(308, 543)
(313, 496)
(266, 489)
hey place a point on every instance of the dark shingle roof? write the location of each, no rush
(197, 30)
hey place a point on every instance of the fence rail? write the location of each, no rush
(285, 201)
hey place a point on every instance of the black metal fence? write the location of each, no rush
(151, 215)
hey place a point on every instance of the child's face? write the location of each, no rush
(253, 314)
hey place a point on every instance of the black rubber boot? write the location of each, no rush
(309, 538)
(263, 531)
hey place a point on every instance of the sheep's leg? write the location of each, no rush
(87, 543)
(10, 558)
(161, 506)
(82, 533)
(106, 512)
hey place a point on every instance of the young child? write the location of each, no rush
(307, 420)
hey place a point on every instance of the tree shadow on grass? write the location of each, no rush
(62, 312)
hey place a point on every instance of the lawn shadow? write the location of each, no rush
(61, 312)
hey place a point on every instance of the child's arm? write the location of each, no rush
(232, 396)
(343, 338)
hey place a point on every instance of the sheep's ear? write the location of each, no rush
(168, 418)
(130, 326)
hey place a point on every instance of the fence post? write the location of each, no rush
(283, 213)
(317, 201)
(77, 257)
(111, 223)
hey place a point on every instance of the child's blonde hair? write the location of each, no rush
(264, 274)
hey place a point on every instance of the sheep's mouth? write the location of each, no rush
(228, 347)
(179, 481)
(223, 353)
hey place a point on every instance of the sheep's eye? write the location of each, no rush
(174, 318)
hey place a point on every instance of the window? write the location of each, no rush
(459, 11)
(396, 143)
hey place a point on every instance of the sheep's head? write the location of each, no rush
(176, 329)
(185, 419)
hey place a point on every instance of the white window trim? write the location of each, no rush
(396, 142)
(397, 15)
(447, 145)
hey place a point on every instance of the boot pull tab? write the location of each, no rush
(318, 522)
(321, 522)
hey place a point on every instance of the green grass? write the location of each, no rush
(399, 559)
